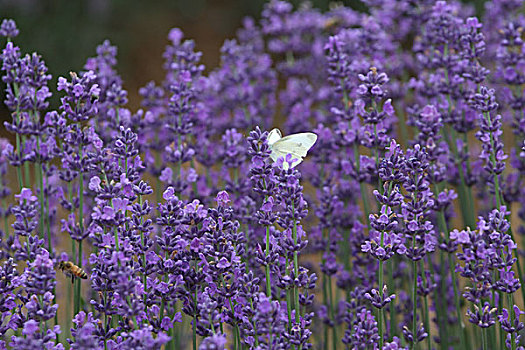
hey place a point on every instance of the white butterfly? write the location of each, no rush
(296, 144)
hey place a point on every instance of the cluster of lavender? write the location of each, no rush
(171, 227)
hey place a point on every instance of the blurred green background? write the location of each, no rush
(66, 32)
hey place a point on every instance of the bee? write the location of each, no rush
(72, 270)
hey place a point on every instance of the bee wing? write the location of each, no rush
(274, 136)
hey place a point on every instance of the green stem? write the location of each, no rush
(295, 267)
(483, 332)
(81, 226)
(267, 253)
(27, 176)
(391, 286)
(105, 298)
(381, 312)
(254, 326)
(78, 282)
(194, 183)
(491, 336)
(499, 203)
(346, 248)
(414, 299)
(325, 302)
(380, 287)
(6, 221)
(517, 256)
(162, 307)
(377, 153)
(236, 332)
(18, 142)
(332, 311)
(47, 220)
(267, 267)
(288, 299)
(175, 342)
(511, 313)
(144, 277)
(71, 286)
(500, 307)
(463, 332)
(362, 188)
(425, 310)
(19, 176)
(466, 202)
(194, 326)
(39, 177)
(19, 168)
(439, 297)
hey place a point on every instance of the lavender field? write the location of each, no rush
(390, 215)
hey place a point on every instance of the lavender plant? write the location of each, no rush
(179, 226)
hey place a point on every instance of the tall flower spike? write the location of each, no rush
(8, 29)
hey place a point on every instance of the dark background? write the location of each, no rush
(66, 32)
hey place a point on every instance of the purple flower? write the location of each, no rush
(363, 331)
(484, 317)
(166, 175)
(214, 342)
(120, 204)
(268, 205)
(94, 184)
(152, 257)
(169, 194)
(30, 327)
(461, 236)
(80, 102)
(166, 324)
(175, 35)
(222, 198)
(26, 195)
(8, 28)
(108, 213)
(227, 238)
(377, 300)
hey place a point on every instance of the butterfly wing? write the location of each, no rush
(297, 145)
(276, 154)
(274, 136)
